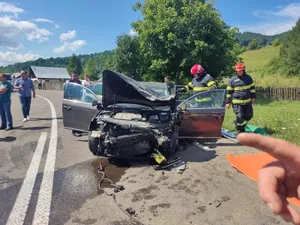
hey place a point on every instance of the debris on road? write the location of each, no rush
(131, 211)
(117, 188)
(179, 167)
(218, 203)
(167, 164)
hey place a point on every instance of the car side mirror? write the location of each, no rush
(94, 103)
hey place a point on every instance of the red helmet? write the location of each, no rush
(239, 67)
(196, 69)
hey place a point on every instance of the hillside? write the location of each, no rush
(257, 60)
(263, 40)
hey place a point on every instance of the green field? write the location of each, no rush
(257, 60)
(281, 119)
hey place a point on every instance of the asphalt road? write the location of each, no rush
(48, 176)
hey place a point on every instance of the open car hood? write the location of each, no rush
(118, 88)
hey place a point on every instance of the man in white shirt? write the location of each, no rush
(86, 81)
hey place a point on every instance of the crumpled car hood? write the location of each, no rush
(118, 88)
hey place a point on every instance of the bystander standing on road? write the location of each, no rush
(5, 103)
(39, 83)
(13, 81)
(44, 84)
(25, 85)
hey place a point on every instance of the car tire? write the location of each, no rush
(93, 144)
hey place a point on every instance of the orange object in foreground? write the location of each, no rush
(251, 164)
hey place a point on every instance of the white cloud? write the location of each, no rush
(67, 36)
(16, 48)
(39, 34)
(10, 8)
(56, 26)
(72, 46)
(278, 21)
(43, 20)
(12, 57)
(132, 33)
(11, 31)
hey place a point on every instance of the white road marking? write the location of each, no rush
(20, 207)
(42, 212)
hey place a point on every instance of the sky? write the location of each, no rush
(30, 29)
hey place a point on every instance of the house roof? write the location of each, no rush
(50, 72)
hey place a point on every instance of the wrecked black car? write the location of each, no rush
(132, 120)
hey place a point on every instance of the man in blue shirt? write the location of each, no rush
(25, 85)
(5, 103)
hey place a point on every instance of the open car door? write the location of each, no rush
(77, 107)
(203, 122)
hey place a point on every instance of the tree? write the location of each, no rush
(276, 42)
(110, 63)
(74, 65)
(290, 51)
(253, 45)
(128, 57)
(175, 34)
(90, 69)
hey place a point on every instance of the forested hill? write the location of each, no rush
(245, 38)
(99, 59)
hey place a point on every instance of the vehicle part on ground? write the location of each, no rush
(179, 167)
(134, 121)
(168, 164)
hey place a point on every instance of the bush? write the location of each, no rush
(276, 42)
(253, 45)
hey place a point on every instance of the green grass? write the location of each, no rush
(257, 60)
(281, 119)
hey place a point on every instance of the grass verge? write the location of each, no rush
(281, 119)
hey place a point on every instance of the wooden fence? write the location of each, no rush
(279, 93)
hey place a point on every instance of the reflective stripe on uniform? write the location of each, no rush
(207, 99)
(197, 89)
(237, 101)
(210, 83)
(252, 91)
(228, 96)
(240, 88)
(229, 88)
(242, 124)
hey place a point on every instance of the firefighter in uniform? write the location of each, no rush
(200, 83)
(241, 94)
